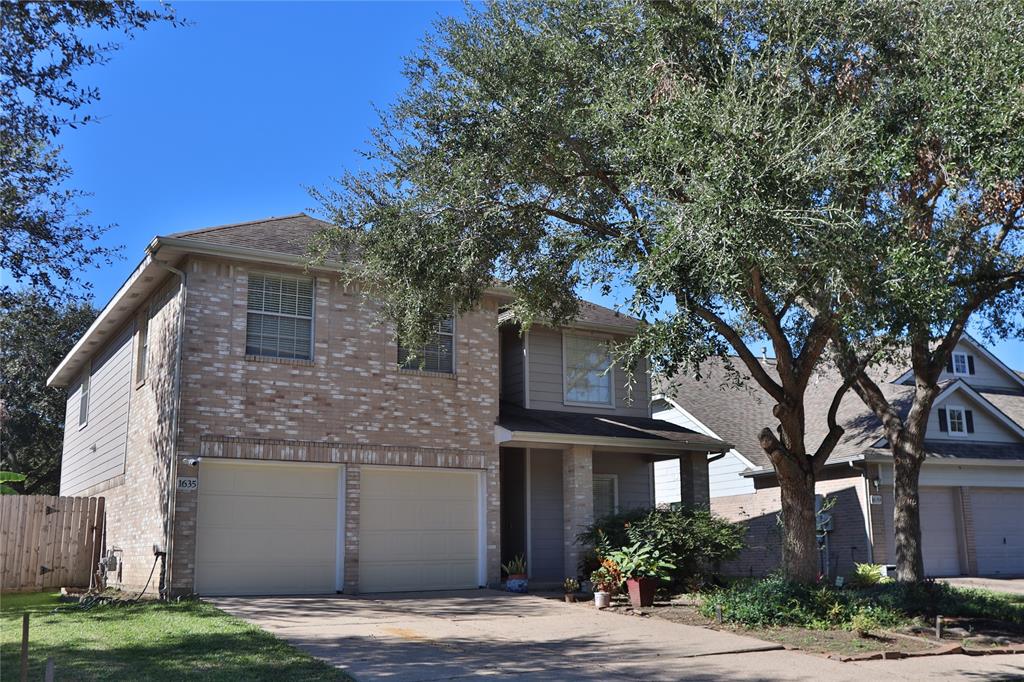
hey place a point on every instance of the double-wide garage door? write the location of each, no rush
(277, 529)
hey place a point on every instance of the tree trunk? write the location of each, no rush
(799, 529)
(907, 458)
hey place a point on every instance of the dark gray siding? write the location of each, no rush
(96, 452)
(544, 354)
(634, 474)
(546, 519)
(512, 379)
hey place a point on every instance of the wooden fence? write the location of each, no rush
(48, 541)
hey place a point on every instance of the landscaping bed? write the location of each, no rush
(824, 620)
(187, 640)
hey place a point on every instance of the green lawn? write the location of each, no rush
(153, 641)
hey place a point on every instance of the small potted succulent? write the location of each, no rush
(571, 587)
(642, 567)
(516, 571)
(606, 580)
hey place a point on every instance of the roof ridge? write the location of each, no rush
(214, 228)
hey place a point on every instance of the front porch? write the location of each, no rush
(561, 471)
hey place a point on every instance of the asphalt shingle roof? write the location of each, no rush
(288, 234)
(737, 414)
(515, 418)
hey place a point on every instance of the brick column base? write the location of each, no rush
(577, 500)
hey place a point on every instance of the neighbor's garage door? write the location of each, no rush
(419, 529)
(266, 529)
(939, 538)
(998, 532)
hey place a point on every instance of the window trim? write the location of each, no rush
(610, 405)
(312, 316)
(422, 371)
(967, 363)
(614, 478)
(963, 420)
(142, 361)
(85, 397)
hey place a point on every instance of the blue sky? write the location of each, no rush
(229, 119)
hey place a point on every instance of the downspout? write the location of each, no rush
(165, 588)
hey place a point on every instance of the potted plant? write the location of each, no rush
(516, 571)
(606, 580)
(642, 567)
(570, 586)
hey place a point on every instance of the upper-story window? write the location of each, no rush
(142, 352)
(279, 323)
(956, 420)
(83, 402)
(960, 363)
(588, 378)
(437, 356)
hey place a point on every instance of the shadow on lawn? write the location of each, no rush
(184, 657)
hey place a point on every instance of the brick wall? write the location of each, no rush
(349, 404)
(848, 543)
(136, 503)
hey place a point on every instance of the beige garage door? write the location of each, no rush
(998, 532)
(938, 531)
(939, 540)
(419, 529)
(266, 529)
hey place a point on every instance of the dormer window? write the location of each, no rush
(956, 421)
(960, 364)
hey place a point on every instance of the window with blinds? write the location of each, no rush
(436, 356)
(279, 323)
(606, 495)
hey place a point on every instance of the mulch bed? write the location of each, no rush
(961, 635)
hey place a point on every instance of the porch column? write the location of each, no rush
(577, 500)
(693, 479)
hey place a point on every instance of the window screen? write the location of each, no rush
(586, 377)
(436, 356)
(280, 317)
(605, 496)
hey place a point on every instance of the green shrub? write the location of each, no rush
(870, 619)
(695, 541)
(868, 575)
(774, 601)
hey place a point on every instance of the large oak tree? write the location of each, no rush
(712, 160)
(46, 239)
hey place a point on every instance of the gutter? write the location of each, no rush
(503, 436)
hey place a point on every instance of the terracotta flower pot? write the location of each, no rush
(641, 591)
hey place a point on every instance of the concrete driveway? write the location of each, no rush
(459, 635)
(1011, 585)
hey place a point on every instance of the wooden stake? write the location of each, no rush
(718, 613)
(24, 647)
(49, 670)
(938, 627)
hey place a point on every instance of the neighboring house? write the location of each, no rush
(972, 481)
(255, 421)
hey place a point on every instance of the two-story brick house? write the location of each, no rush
(255, 421)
